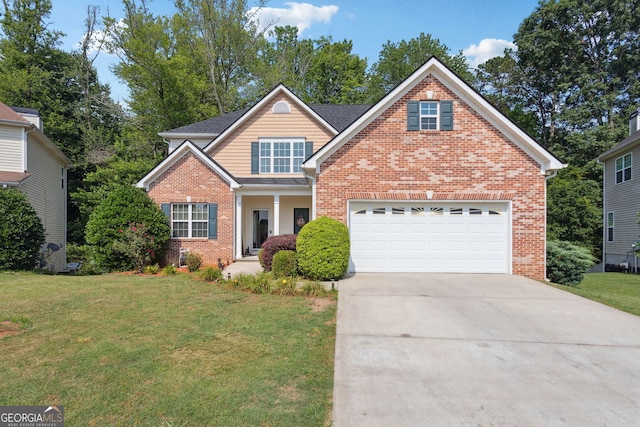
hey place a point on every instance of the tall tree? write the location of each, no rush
(397, 61)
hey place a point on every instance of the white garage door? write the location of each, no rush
(463, 237)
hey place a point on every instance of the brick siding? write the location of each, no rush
(472, 162)
(190, 177)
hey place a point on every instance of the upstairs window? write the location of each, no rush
(429, 115)
(623, 168)
(279, 155)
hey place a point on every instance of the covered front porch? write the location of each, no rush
(262, 213)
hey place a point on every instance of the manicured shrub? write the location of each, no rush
(567, 262)
(211, 274)
(322, 249)
(21, 232)
(274, 244)
(124, 206)
(284, 264)
(193, 261)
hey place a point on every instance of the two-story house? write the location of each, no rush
(621, 200)
(431, 178)
(30, 162)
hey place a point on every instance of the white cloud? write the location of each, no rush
(301, 15)
(98, 39)
(486, 49)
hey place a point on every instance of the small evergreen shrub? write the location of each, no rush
(567, 262)
(284, 264)
(169, 270)
(211, 274)
(314, 289)
(274, 244)
(322, 249)
(193, 261)
(21, 232)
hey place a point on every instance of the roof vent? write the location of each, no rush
(281, 107)
(634, 122)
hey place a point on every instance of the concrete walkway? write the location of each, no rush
(249, 265)
(468, 349)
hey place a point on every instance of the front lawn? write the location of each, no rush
(618, 290)
(165, 351)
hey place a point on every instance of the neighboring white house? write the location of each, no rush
(621, 200)
(34, 165)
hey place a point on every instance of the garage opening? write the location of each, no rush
(452, 237)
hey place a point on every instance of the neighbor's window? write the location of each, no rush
(281, 156)
(623, 168)
(609, 226)
(189, 220)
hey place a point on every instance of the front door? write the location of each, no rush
(300, 218)
(260, 227)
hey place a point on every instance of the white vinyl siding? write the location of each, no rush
(11, 149)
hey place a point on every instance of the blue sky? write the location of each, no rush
(479, 28)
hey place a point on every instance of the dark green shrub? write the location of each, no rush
(323, 249)
(567, 262)
(211, 274)
(284, 264)
(124, 206)
(193, 261)
(21, 232)
(274, 244)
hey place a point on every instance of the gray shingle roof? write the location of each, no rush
(625, 143)
(338, 116)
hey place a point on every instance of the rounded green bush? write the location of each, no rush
(567, 262)
(323, 248)
(124, 206)
(284, 264)
(21, 232)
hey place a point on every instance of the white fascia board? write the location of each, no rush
(268, 98)
(177, 154)
(546, 160)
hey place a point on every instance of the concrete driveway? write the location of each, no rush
(471, 349)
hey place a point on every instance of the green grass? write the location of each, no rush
(618, 290)
(165, 351)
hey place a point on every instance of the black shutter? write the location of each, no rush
(213, 221)
(446, 115)
(413, 115)
(308, 149)
(255, 157)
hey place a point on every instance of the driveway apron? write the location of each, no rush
(472, 349)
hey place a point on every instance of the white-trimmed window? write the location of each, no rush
(189, 220)
(609, 226)
(281, 156)
(623, 168)
(429, 116)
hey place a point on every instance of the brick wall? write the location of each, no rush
(190, 177)
(472, 162)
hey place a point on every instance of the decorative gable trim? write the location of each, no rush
(547, 161)
(184, 148)
(277, 91)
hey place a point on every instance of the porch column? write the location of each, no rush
(276, 214)
(238, 221)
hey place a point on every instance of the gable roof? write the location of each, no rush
(7, 114)
(337, 117)
(625, 144)
(547, 161)
(184, 148)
